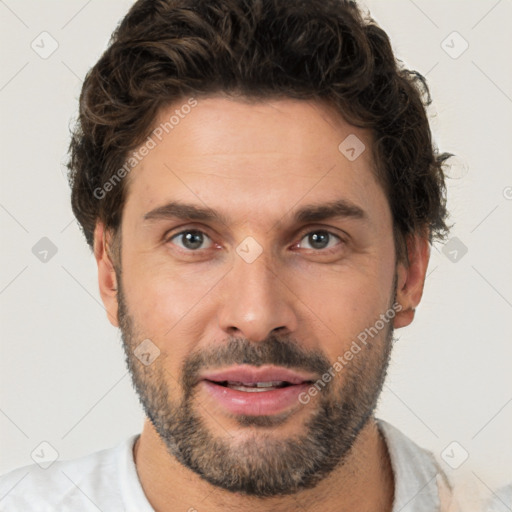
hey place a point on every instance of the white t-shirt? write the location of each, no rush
(107, 481)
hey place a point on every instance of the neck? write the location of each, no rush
(364, 482)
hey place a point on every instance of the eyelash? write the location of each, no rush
(302, 236)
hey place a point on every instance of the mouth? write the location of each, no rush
(254, 387)
(257, 379)
(256, 391)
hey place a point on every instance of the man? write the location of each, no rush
(258, 183)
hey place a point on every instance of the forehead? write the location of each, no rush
(235, 156)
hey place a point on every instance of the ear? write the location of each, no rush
(106, 273)
(411, 278)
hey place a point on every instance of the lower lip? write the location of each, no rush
(256, 403)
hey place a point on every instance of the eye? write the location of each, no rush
(191, 240)
(319, 240)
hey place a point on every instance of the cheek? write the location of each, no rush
(343, 303)
(157, 289)
(167, 305)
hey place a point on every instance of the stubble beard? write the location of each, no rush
(262, 463)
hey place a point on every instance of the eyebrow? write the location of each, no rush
(309, 213)
(340, 208)
(184, 211)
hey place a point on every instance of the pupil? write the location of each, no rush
(193, 240)
(319, 240)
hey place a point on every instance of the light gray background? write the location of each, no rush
(63, 378)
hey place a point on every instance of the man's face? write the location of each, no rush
(258, 293)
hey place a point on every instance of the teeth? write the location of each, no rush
(250, 390)
(255, 387)
(269, 384)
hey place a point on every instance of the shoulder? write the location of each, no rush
(422, 486)
(420, 483)
(78, 484)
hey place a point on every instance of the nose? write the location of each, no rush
(256, 301)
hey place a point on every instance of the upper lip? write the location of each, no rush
(251, 374)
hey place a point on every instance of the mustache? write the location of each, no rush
(274, 350)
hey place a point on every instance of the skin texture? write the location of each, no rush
(257, 163)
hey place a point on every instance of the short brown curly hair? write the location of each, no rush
(326, 50)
